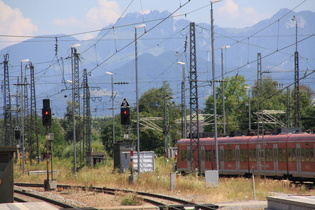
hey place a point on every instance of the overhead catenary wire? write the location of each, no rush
(98, 65)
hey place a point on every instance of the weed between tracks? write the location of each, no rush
(189, 187)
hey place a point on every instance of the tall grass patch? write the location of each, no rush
(190, 187)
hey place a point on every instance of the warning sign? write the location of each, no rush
(124, 103)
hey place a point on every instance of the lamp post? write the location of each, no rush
(112, 84)
(183, 101)
(223, 88)
(214, 88)
(137, 97)
(22, 114)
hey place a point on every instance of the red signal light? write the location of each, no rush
(125, 115)
(46, 116)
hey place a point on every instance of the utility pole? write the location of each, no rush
(183, 101)
(166, 127)
(223, 89)
(260, 123)
(22, 111)
(112, 108)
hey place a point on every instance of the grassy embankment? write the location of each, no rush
(189, 187)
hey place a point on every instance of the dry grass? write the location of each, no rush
(189, 187)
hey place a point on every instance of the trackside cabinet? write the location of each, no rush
(6, 174)
(120, 149)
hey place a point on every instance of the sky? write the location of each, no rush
(43, 17)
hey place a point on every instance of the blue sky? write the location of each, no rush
(43, 17)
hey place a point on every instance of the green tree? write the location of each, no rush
(269, 97)
(307, 110)
(235, 101)
(152, 104)
(107, 134)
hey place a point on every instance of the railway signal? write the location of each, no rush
(125, 115)
(46, 113)
(125, 112)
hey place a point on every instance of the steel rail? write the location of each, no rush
(48, 200)
(183, 204)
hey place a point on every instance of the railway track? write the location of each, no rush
(22, 196)
(160, 201)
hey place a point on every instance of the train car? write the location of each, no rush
(289, 156)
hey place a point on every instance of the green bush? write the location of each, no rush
(131, 199)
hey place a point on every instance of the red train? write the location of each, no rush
(289, 156)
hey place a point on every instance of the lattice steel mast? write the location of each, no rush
(7, 130)
(194, 118)
(33, 121)
(75, 99)
(86, 115)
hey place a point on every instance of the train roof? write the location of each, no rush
(289, 137)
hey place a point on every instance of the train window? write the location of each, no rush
(183, 155)
(252, 155)
(232, 155)
(243, 154)
(306, 155)
(226, 155)
(208, 155)
(312, 154)
(229, 155)
(302, 154)
(282, 156)
(268, 155)
(309, 158)
(294, 157)
(291, 154)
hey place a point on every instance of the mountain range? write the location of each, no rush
(160, 45)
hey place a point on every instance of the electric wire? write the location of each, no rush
(159, 23)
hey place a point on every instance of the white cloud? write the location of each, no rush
(230, 8)
(238, 16)
(13, 23)
(107, 12)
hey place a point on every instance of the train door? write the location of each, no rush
(275, 158)
(237, 158)
(221, 158)
(298, 159)
(202, 158)
(259, 159)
